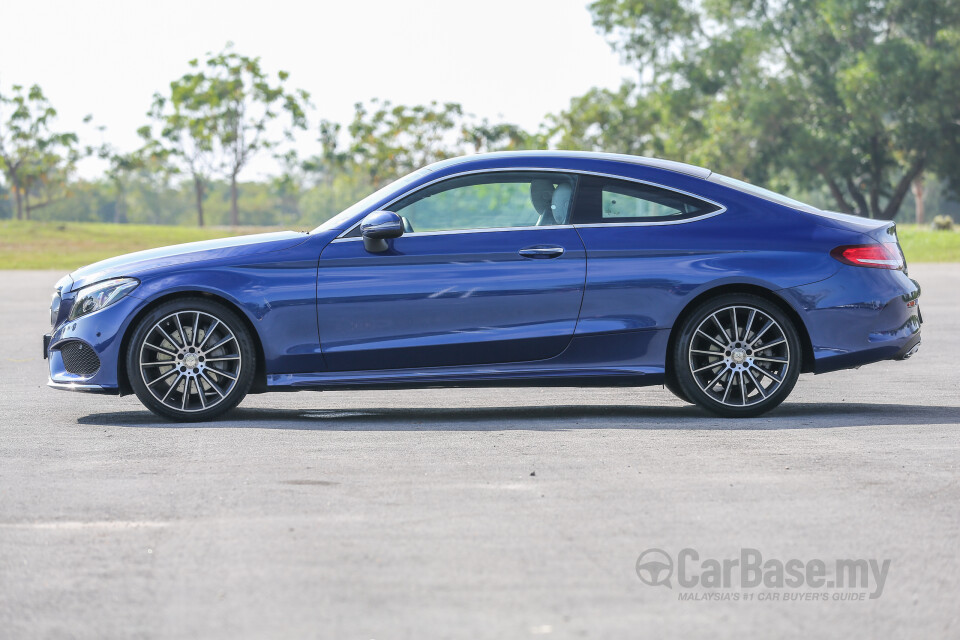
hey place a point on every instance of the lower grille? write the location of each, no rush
(79, 358)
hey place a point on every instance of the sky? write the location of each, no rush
(508, 60)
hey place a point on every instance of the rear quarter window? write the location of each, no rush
(614, 201)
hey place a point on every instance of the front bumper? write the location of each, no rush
(87, 388)
(103, 332)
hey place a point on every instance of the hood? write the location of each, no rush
(133, 264)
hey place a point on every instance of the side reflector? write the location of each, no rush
(878, 256)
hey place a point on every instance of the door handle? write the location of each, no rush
(541, 251)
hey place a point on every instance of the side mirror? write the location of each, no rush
(378, 227)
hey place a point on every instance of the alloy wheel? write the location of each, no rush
(190, 361)
(739, 356)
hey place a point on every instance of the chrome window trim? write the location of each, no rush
(343, 235)
(447, 232)
(655, 223)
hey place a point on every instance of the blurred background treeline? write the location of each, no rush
(851, 105)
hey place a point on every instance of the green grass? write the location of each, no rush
(64, 246)
(922, 244)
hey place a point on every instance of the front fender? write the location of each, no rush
(277, 299)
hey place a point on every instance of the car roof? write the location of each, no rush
(657, 163)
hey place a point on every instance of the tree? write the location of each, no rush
(288, 187)
(45, 177)
(33, 158)
(485, 136)
(332, 160)
(246, 103)
(187, 128)
(121, 168)
(388, 141)
(860, 96)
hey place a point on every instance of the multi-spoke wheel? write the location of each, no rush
(737, 355)
(190, 360)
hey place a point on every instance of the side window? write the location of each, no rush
(489, 201)
(614, 201)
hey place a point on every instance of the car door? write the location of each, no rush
(647, 246)
(489, 270)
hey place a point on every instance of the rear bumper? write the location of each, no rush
(859, 316)
(910, 349)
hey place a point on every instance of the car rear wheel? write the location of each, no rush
(191, 360)
(737, 356)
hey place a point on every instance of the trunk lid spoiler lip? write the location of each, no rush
(850, 222)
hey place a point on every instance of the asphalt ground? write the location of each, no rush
(491, 513)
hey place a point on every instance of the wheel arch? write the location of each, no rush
(260, 374)
(807, 358)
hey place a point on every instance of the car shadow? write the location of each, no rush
(548, 418)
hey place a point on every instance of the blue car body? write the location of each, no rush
(463, 308)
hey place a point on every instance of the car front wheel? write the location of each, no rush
(190, 360)
(737, 356)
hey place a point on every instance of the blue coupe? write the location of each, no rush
(504, 269)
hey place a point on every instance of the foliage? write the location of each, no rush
(387, 141)
(844, 103)
(861, 96)
(218, 116)
(184, 135)
(942, 223)
(247, 103)
(35, 160)
(384, 142)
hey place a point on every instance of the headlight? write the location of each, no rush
(55, 309)
(100, 295)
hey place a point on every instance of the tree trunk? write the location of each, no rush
(120, 206)
(198, 190)
(234, 214)
(862, 208)
(918, 198)
(900, 191)
(842, 205)
(875, 211)
(18, 198)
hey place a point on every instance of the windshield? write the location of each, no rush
(340, 220)
(760, 192)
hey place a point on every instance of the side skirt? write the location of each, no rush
(456, 377)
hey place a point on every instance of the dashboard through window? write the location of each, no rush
(616, 201)
(490, 201)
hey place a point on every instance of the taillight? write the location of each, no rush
(878, 256)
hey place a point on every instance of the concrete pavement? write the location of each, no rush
(485, 513)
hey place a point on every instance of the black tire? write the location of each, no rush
(730, 366)
(212, 360)
(674, 387)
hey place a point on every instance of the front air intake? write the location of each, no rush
(79, 358)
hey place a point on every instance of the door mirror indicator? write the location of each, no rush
(377, 228)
